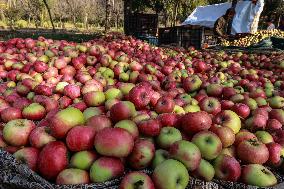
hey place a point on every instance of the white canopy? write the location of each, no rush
(247, 15)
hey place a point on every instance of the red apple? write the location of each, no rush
(80, 138)
(52, 160)
(194, 122)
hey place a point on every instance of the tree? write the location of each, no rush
(107, 13)
(33, 10)
(12, 12)
(49, 13)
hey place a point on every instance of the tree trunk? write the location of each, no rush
(86, 21)
(74, 21)
(29, 21)
(176, 13)
(60, 22)
(36, 22)
(73, 17)
(127, 12)
(116, 20)
(49, 14)
(107, 19)
(165, 20)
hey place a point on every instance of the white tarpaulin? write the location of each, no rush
(245, 20)
(247, 16)
(207, 15)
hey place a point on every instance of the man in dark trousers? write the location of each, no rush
(221, 26)
(281, 26)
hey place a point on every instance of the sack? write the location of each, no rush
(15, 175)
(277, 42)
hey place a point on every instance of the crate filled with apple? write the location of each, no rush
(252, 39)
(116, 112)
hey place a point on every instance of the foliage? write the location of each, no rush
(21, 24)
(2, 24)
(91, 13)
(274, 6)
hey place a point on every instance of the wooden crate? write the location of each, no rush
(139, 24)
(186, 36)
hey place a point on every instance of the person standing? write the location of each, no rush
(257, 7)
(281, 26)
(222, 24)
(270, 25)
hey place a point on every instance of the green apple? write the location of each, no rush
(43, 58)
(30, 95)
(185, 97)
(277, 84)
(112, 64)
(106, 168)
(130, 126)
(178, 110)
(237, 98)
(113, 93)
(94, 98)
(49, 53)
(228, 84)
(193, 102)
(191, 108)
(133, 76)
(187, 153)
(83, 160)
(72, 176)
(214, 89)
(192, 83)
(258, 175)
(110, 81)
(102, 69)
(82, 48)
(160, 156)
(126, 87)
(60, 86)
(34, 111)
(92, 111)
(228, 118)
(170, 174)
(230, 151)
(269, 92)
(239, 89)
(264, 137)
(108, 74)
(140, 117)
(153, 114)
(251, 103)
(204, 171)
(64, 120)
(168, 136)
(137, 180)
(276, 102)
(208, 143)
(109, 103)
(124, 77)
(261, 101)
(40, 44)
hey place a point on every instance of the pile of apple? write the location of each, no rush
(254, 38)
(86, 113)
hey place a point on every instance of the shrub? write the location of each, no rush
(3, 25)
(21, 24)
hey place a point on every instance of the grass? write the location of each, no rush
(75, 37)
(70, 34)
